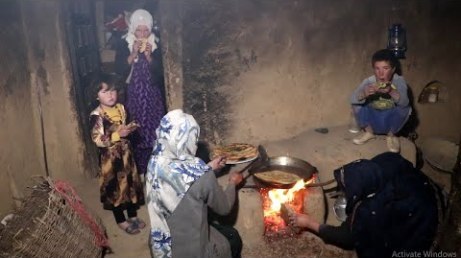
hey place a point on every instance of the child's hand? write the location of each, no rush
(136, 46)
(148, 52)
(124, 131)
(148, 48)
(369, 90)
(132, 126)
(217, 163)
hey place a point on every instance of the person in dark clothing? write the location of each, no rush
(391, 207)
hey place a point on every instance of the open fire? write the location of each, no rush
(273, 199)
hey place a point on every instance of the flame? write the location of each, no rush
(279, 196)
(272, 204)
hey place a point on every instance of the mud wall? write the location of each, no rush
(40, 133)
(249, 70)
(258, 70)
(20, 152)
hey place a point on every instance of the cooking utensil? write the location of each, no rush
(263, 158)
(248, 166)
(287, 164)
(339, 208)
(320, 184)
(260, 162)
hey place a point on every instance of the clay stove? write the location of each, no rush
(264, 232)
(274, 202)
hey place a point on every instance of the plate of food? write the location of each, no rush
(236, 153)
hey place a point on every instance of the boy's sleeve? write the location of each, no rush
(402, 88)
(358, 92)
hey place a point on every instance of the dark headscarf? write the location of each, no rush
(359, 180)
(391, 205)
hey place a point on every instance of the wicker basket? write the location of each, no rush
(52, 222)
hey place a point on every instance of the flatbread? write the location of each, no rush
(236, 152)
(143, 45)
(278, 177)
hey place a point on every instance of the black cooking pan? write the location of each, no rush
(287, 164)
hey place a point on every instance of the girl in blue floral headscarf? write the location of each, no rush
(180, 189)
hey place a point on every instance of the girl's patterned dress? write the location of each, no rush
(119, 179)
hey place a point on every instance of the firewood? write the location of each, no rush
(285, 212)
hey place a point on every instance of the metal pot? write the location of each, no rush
(339, 208)
(287, 164)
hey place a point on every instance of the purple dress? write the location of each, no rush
(145, 104)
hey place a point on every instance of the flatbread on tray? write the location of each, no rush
(277, 177)
(236, 152)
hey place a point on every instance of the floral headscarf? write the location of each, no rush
(140, 17)
(172, 169)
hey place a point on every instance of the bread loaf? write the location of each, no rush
(143, 45)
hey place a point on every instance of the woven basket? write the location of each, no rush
(52, 222)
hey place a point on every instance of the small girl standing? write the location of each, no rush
(145, 101)
(119, 182)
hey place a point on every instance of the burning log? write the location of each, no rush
(273, 201)
(285, 212)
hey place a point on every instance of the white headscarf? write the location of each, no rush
(140, 17)
(172, 169)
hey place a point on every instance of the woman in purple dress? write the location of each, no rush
(145, 102)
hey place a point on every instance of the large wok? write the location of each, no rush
(284, 163)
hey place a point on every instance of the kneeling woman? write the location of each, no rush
(392, 208)
(180, 190)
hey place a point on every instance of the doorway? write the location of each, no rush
(96, 44)
(112, 25)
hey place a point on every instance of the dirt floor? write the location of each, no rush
(122, 244)
(326, 151)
